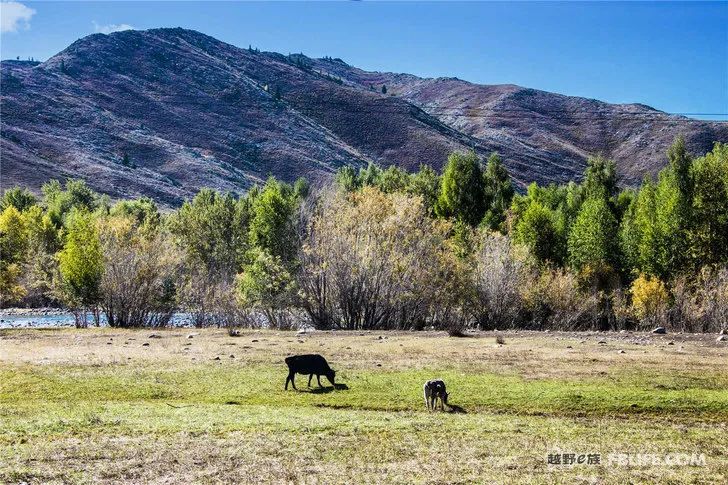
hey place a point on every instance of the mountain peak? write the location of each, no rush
(163, 112)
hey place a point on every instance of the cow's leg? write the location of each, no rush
(292, 378)
(310, 376)
(427, 405)
(318, 378)
(288, 378)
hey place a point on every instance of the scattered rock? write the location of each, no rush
(109, 343)
(145, 344)
(622, 352)
(216, 358)
(722, 338)
(569, 347)
(602, 342)
(192, 335)
(232, 356)
(300, 341)
(724, 331)
(379, 365)
(660, 330)
(254, 340)
(671, 343)
(379, 338)
(155, 335)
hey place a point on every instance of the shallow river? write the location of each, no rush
(66, 320)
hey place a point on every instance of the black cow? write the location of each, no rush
(308, 364)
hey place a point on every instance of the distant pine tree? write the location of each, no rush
(278, 93)
(384, 89)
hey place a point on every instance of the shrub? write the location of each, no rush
(556, 302)
(649, 300)
(371, 260)
(497, 277)
(137, 286)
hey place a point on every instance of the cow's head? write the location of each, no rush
(330, 375)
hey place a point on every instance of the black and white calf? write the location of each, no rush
(435, 389)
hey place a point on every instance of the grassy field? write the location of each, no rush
(100, 405)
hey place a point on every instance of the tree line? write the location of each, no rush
(383, 248)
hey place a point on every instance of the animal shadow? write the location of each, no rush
(328, 389)
(454, 408)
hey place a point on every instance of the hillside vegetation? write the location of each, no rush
(387, 249)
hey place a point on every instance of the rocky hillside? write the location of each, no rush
(564, 130)
(164, 112)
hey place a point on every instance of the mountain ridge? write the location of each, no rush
(190, 111)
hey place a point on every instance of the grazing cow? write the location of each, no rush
(308, 364)
(434, 390)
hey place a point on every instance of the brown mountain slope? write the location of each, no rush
(189, 111)
(565, 129)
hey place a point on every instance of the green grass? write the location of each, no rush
(78, 412)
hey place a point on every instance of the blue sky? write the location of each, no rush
(673, 56)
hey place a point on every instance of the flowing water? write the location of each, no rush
(66, 320)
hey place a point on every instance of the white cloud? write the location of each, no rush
(107, 29)
(14, 16)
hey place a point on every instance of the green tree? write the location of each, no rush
(498, 193)
(21, 199)
(593, 239)
(81, 266)
(271, 221)
(44, 241)
(370, 176)
(461, 192)
(600, 179)
(60, 201)
(212, 230)
(301, 188)
(346, 178)
(425, 184)
(537, 229)
(709, 236)
(393, 179)
(13, 252)
(144, 211)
